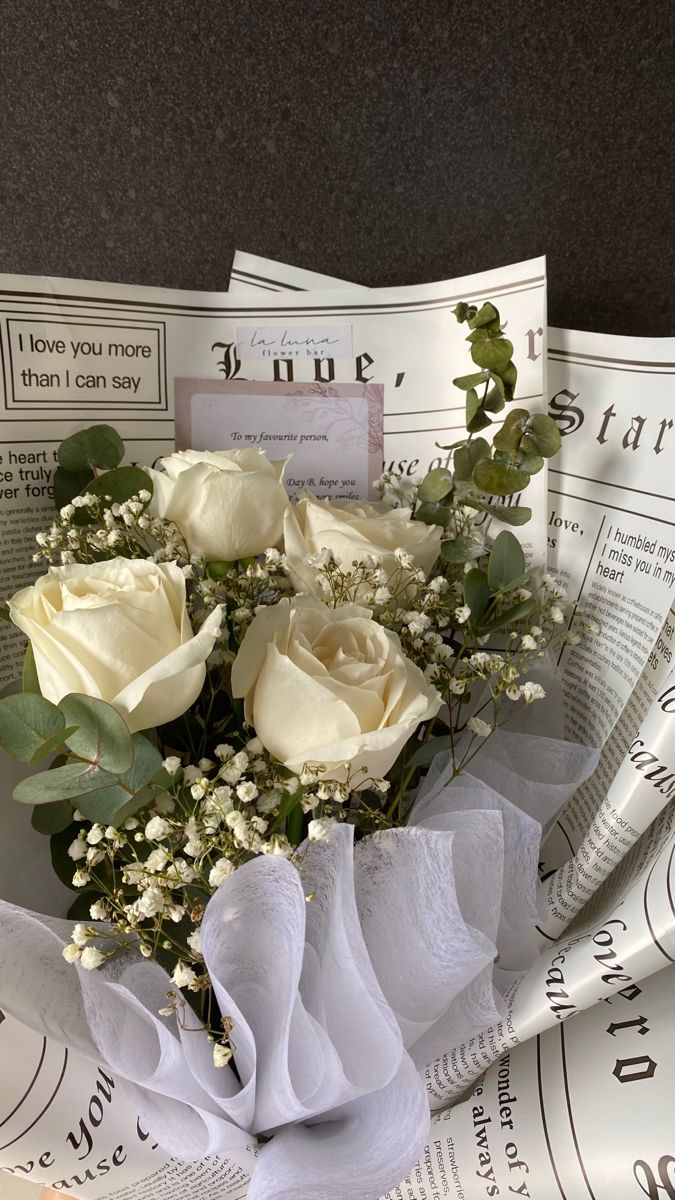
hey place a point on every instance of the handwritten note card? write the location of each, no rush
(333, 431)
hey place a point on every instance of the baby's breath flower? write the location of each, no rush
(91, 958)
(157, 828)
(479, 727)
(221, 1054)
(532, 691)
(78, 848)
(171, 764)
(71, 953)
(462, 614)
(320, 828)
(220, 871)
(183, 975)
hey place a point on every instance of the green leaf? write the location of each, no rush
(478, 335)
(121, 484)
(479, 421)
(461, 549)
(493, 355)
(79, 909)
(494, 401)
(52, 818)
(68, 484)
(98, 446)
(508, 374)
(498, 479)
(436, 485)
(101, 735)
(515, 613)
(506, 565)
(13, 688)
(476, 593)
(133, 790)
(544, 433)
(510, 514)
(532, 463)
(464, 382)
(4, 614)
(27, 720)
(29, 679)
(486, 314)
(460, 311)
(64, 783)
(432, 514)
(52, 744)
(428, 750)
(507, 439)
(465, 457)
(62, 864)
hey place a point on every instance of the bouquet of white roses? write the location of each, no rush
(261, 715)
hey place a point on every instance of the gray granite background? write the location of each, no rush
(386, 141)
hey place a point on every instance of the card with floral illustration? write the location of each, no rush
(332, 431)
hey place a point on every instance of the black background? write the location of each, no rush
(385, 141)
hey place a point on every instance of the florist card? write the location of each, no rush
(332, 431)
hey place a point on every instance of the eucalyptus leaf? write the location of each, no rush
(27, 720)
(498, 479)
(52, 744)
(63, 865)
(493, 355)
(545, 434)
(436, 485)
(68, 484)
(510, 514)
(124, 796)
(431, 514)
(13, 688)
(218, 570)
(508, 438)
(461, 549)
(487, 313)
(121, 484)
(479, 420)
(98, 446)
(464, 382)
(532, 463)
(516, 613)
(465, 457)
(476, 593)
(52, 818)
(101, 734)
(29, 678)
(69, 782)
(494, 402)
(506, 564)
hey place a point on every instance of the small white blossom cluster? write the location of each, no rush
(110, 529)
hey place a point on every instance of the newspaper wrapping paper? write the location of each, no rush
(391, 962)
(584, 1110)
(650, 860)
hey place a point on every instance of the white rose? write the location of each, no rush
(118, 631)
(330, 687)
(228, 503)
(353, 530)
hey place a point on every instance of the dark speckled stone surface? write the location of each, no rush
(388, 141)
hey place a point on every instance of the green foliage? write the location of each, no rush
(506, 565)
(99, 447)
(436, 485)
(100, 736)
(89, 462)
(476, 593)
(27, 721)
